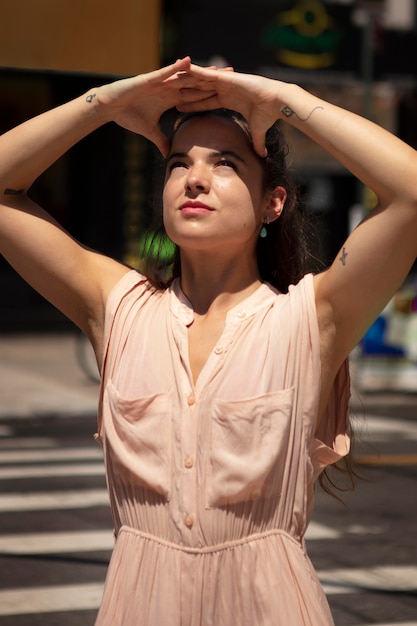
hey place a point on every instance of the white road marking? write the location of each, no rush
(45, 456)
(51, 599)
(40, 471)
(380, 428)
(381, 578)
(88, 596)
(320, 531)
(53, 500)
(58, 542)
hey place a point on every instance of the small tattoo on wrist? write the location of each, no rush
(289, 112)
(90, 98)
(342, 258)
(13, 192)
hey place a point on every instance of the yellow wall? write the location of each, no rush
(98, 36)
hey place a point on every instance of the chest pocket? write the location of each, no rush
(138, 437)
(250, 443)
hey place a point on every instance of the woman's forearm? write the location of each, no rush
(378, 158)
(29, 149)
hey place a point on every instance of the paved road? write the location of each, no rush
(56, 536)
(369, 566)
(55, 527)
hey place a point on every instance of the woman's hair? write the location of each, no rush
(284, 255)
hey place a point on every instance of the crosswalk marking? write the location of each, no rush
(317, 531)
(39, 471)
(44, 456)
(385, 428)
(52, 500)
(382, 578)
(58, 542)
(51, 599)
(88, 596)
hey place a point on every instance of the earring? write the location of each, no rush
(264, 232)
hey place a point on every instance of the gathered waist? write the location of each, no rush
(228, 545)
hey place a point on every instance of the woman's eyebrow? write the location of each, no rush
(227, 153)
(176, 155)
(215, 154)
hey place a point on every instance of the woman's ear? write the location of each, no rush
(277, 198)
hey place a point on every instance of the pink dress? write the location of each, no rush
(211, 485)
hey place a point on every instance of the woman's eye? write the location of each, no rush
(226, 163)
(176, 164)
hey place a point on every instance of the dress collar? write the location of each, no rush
(182, 308)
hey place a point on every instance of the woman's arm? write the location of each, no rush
(73, 278)
(30, 239)
(377, 256)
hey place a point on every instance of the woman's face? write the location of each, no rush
(213, 193)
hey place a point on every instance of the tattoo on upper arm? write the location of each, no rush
(342, 258)
(288, 112)
(90, 97)
(13, 192)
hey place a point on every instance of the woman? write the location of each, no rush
(223, 397)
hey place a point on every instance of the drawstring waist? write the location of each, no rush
(228, 545)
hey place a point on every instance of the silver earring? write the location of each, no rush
(264, 232)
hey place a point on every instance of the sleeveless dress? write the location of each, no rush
(211, 485)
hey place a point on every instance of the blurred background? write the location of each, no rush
(360, 54)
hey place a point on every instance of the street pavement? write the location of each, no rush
(55, 526)
(40, 375)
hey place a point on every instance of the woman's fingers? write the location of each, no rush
(258, 141)
(194, 95)
(181, 65)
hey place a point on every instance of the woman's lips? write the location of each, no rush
(193, 208)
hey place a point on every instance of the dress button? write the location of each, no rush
(241, 314)
(188, 462)
(191, 400)
(218, 350)
(189, 520)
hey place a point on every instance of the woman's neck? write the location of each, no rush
(212, 284)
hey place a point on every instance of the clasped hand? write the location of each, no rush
(138, 103)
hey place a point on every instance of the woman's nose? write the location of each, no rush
(197, 180)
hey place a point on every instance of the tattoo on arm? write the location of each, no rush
(289, 112)
(13, 192)
(90, 98)
(342, 258)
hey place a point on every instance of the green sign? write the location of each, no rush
(304, 37)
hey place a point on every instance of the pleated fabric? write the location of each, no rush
(211, 484)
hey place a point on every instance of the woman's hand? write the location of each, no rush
(255, 97)
(137, 103)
